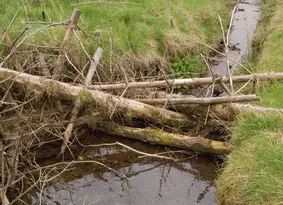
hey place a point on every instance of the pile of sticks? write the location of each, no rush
(169, 119)
(147, 109)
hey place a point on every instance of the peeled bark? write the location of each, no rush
(190, 81)
(93, 65)
(127, 107)
(205, 101)
(156, 136)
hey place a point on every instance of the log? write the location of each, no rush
(190, 81)
(63, 50)
(128, 107)
(203, 101)
(94, 63)
(156, 136)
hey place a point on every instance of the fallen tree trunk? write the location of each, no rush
(156, 136)
(190, 81)
(206, 101)
(130, 108)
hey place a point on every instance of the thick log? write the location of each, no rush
(129, 108)
(203, 101)
(155, 136)
(190, 81)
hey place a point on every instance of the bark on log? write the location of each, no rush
(155, 136)
(190, 81)
(204, 101)
(130, 108)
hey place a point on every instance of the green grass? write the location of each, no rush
(132, 35)
(253, 173)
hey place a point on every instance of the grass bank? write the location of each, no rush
(253, 173)
(138, 36)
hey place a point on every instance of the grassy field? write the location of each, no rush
(138, 35)
(253, 172)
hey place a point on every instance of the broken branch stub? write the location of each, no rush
(94, 63)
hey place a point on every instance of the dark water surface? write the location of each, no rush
(241, 35)
(151, 181)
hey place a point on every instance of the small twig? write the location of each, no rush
(143, 153)
(113, 111)
(105, 2)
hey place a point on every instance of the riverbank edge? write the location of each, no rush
(253, 171)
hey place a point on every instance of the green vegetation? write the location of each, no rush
(139, 34)
(188, 67)
(253, 173)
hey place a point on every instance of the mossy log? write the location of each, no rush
(108, 102)
(156, 136)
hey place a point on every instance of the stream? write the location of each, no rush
(151, 181)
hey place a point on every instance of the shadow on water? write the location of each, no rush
(151, 180)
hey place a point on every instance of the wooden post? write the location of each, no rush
(68, 36)
(94, 63)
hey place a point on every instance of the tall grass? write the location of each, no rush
(138, 35)
(253, 173)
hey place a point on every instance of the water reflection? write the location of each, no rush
(152, 185)
(151, 181)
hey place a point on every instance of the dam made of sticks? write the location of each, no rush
(45, 104)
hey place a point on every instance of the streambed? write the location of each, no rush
(151, 181)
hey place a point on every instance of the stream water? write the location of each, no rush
(151, 181)
(243, 27)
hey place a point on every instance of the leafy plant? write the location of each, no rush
(187, 67)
